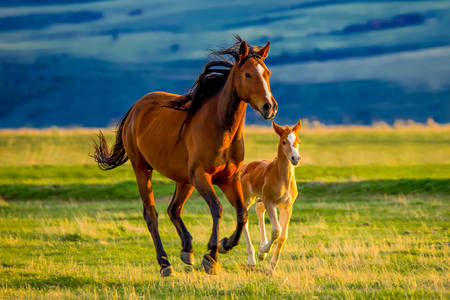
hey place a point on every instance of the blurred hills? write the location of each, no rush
(73, 62)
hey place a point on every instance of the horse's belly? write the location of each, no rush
(161, 148)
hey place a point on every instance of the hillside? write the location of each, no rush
(341, 62)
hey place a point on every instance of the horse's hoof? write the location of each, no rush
(187, 257)
(166, 271)
(251, 264)
(222, 249)
(262, 255)
(188, 268)
(210, 265)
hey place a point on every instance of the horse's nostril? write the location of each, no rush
(266, 106)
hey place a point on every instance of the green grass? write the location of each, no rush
(89, 183)
(355, 246)
(371, 221)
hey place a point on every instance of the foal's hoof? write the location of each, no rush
(222, 249)
(262, 255)
(187, 257)
(210, 265)
(166, 271)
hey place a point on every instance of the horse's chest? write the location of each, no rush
(225, 167)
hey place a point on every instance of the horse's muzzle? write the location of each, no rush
(269, 112)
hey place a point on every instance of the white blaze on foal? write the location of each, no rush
(295, 156)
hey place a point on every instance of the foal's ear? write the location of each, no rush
(243, 49)
(278, 129)
(264, 51)
(297, 126)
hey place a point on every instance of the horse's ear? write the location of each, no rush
(264, 51)
(243, 49)
(278, 129)
(297, 126)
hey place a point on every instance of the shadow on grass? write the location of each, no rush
(128, 189)
(380, 186)
(122, 190)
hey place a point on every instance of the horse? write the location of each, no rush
(273, 185)
(196, 140)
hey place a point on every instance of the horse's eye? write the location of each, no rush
(247, 75)
(284, 143)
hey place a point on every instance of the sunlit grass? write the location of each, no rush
(323, 146)
(354, 247)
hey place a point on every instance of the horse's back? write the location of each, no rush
(155, 130)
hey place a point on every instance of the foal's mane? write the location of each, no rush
(212, 79)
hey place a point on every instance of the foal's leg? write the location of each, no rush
(260, 210)
(202, 183)
(276, 228)
(285, 216)
(143, 177)
(182, 193)
(233, 192)
(250, 250)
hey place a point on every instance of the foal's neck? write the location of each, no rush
(285, 168)
(230, 110)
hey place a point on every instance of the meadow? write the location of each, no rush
(371, 221)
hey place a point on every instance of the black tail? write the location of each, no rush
(109, 159)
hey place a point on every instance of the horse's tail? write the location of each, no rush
(109, 159)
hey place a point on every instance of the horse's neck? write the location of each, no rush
(230, 111)
(284, 167)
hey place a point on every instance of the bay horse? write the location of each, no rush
(272, 184)
(195, 140)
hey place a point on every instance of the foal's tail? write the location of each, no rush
(109, 159)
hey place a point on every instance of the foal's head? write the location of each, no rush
(251, 80)
(288, 145)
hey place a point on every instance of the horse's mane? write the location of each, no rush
(212, 79)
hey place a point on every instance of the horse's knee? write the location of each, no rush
(216, 210)
(172, 211)
(242, 215)
(150, 213)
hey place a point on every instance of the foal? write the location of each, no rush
(272, 184)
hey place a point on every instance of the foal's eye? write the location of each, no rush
(247, 75)
(284, 143)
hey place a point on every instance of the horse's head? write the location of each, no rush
(288, 145)
(251, 80)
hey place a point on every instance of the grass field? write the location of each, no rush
(371, 221)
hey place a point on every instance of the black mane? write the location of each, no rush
(212, 79)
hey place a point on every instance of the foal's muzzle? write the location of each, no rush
(295, 159)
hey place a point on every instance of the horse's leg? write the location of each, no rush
(143, 177)
(182, 193)
(233, 192)
(285, 216)
(260, 210)
(202, 183)
(276, 228)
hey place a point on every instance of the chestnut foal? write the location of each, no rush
(272, 184)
